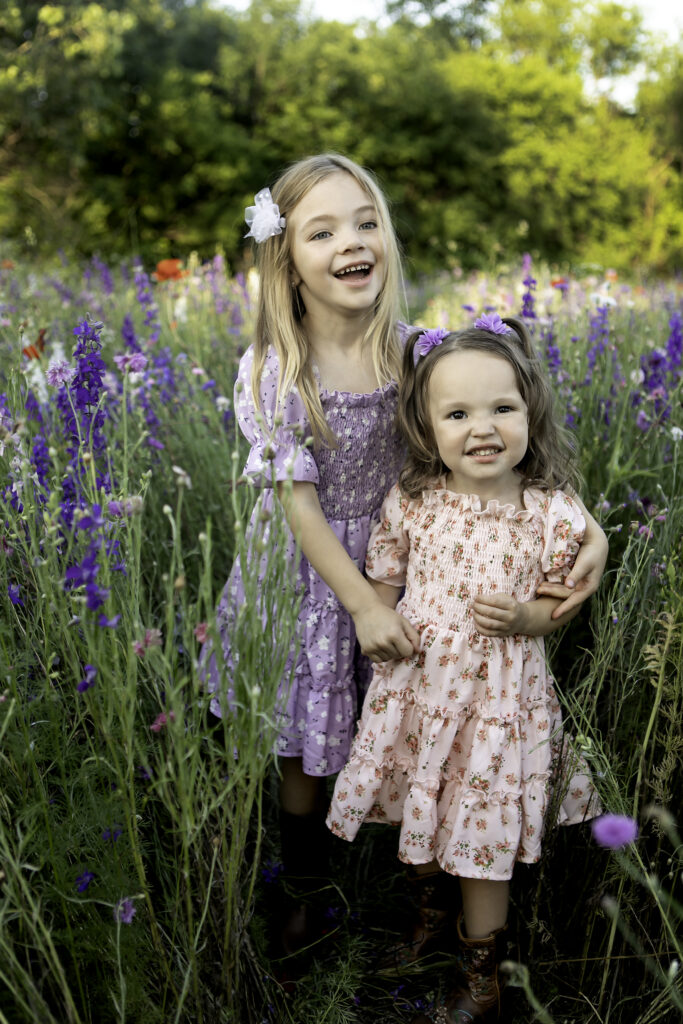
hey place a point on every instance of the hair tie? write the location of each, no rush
(264, 219)
(493, 323)
(427, 341)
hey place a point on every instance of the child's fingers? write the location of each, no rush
(413, 637)
(497, 614)
(547, 589)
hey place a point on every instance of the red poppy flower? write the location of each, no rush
(169, 270)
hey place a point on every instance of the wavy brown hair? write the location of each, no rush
(549, 460)
(280, 308)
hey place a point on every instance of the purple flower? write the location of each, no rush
(271, 870)
(108, 623)
(112, 834)
(614, 831)
(14, 594)
(124, 911)
(427, 341)
(59, 373)
(493, 323)
(85, 684)
(84, 880)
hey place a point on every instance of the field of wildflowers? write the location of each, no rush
(138, 857)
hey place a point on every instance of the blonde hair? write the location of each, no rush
(280, 308)
(549, 460)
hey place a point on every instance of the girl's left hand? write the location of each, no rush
(499, 615)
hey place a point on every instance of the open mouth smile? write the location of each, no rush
(354, 272)
(484, 451)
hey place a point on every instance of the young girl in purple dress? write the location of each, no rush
(323, 369)
(460, 743)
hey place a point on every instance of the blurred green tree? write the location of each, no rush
(148, 125)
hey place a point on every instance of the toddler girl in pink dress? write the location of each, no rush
(460, 742)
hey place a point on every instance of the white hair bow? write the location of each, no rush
(264, 218)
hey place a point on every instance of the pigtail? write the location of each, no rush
(521, 330)
(423, 463)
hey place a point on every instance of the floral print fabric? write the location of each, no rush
(461, 744)
(318, 712)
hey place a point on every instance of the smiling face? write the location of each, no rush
(480, 424)
(337, 248)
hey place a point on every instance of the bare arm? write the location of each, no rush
(382, 633)
(503, 615)
(589, 566)
(387, 594)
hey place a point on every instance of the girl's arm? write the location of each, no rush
(503, 615)
(382, 633)
(589, 566)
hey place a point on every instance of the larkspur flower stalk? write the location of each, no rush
(528, 311)
(146, 300)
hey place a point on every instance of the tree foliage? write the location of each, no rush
(149, 124)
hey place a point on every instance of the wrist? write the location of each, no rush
(362, 601)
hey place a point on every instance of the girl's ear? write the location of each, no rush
(294, 278)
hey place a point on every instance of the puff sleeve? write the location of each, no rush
(564, 530)
(280, 448)
(389, 545)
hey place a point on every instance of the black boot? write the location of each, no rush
(305, 854)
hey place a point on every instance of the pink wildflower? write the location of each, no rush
(201, 631)
(161, 720)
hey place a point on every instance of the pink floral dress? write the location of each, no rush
(462, 743)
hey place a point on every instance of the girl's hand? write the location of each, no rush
(499, 615)
(383, 634)
(582, 581)
(589, 566)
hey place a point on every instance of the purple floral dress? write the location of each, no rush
(318, 711)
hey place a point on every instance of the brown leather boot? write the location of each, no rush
(433, 894)
(477, 1001)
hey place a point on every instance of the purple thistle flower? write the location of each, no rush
(84, 880)
(124, 911)
(614, 831)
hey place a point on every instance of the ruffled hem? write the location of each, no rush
(437, 824)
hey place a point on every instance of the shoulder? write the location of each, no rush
(554, 507)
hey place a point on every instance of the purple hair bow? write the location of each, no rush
(427, 341)
(492, 322)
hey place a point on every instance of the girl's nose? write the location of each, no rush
(349, 240)
(482, 427)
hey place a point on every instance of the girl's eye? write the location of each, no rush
(368, 225)
(457, 414)
(320, 234)
(504, 408)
